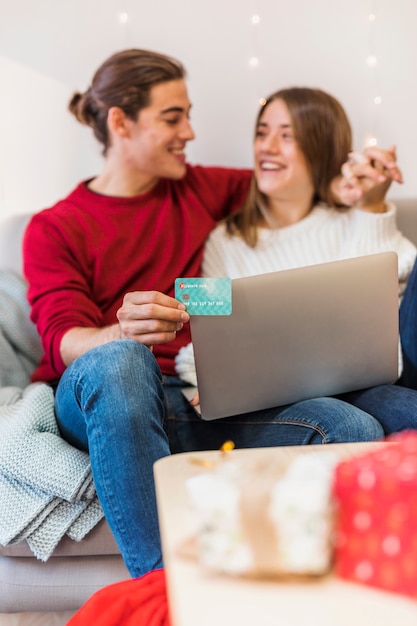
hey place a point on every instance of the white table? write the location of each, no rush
(199, 599)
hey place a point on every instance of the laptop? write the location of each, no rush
(296, 334)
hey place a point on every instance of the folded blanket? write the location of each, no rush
(46, 486)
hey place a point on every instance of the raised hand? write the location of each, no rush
(366, 178)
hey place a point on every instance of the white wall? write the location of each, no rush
(43, 150)
(49, 48)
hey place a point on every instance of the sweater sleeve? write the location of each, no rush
(222, 190)
(378, 232)
(59, 293)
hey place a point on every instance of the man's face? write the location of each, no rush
(159, 135)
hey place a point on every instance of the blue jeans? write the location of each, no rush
(395, 406)
(113, 402)
(408, 332)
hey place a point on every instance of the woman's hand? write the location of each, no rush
(195, 401)
(366, 178)
(150, 317)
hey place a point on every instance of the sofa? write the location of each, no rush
(77, 569)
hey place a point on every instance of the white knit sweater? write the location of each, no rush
(325, 235)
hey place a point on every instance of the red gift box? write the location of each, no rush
(376, 529)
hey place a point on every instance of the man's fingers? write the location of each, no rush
(151, 317)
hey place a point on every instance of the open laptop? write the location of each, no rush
(297, 334)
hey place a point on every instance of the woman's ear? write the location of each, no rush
(118, 122)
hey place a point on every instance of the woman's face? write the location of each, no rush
(281, 170)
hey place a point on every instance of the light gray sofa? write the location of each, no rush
(76, 570)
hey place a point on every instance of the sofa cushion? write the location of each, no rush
(98, 541)
(61, 584)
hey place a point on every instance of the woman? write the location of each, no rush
(302, 139)
(290, 218)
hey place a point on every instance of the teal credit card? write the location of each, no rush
(205, 296)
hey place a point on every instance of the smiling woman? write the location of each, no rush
(280, 166)
(302, 139)
(291, 219)
(297, 124)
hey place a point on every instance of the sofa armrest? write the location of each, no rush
(407, 217)
(11, 235)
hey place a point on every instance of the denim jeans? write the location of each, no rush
(113, 402)
(408, 332)
(395, 406)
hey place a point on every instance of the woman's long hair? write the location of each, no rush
(323, 133)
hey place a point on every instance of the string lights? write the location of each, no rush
(254, 58)
(123, 18)
(373, 63)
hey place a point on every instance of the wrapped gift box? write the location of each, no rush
(264, 519)
(376, 536)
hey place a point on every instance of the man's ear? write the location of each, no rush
(118, 122)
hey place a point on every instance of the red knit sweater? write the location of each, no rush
(82, 255)
(137, 602)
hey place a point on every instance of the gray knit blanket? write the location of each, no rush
(46, 485)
